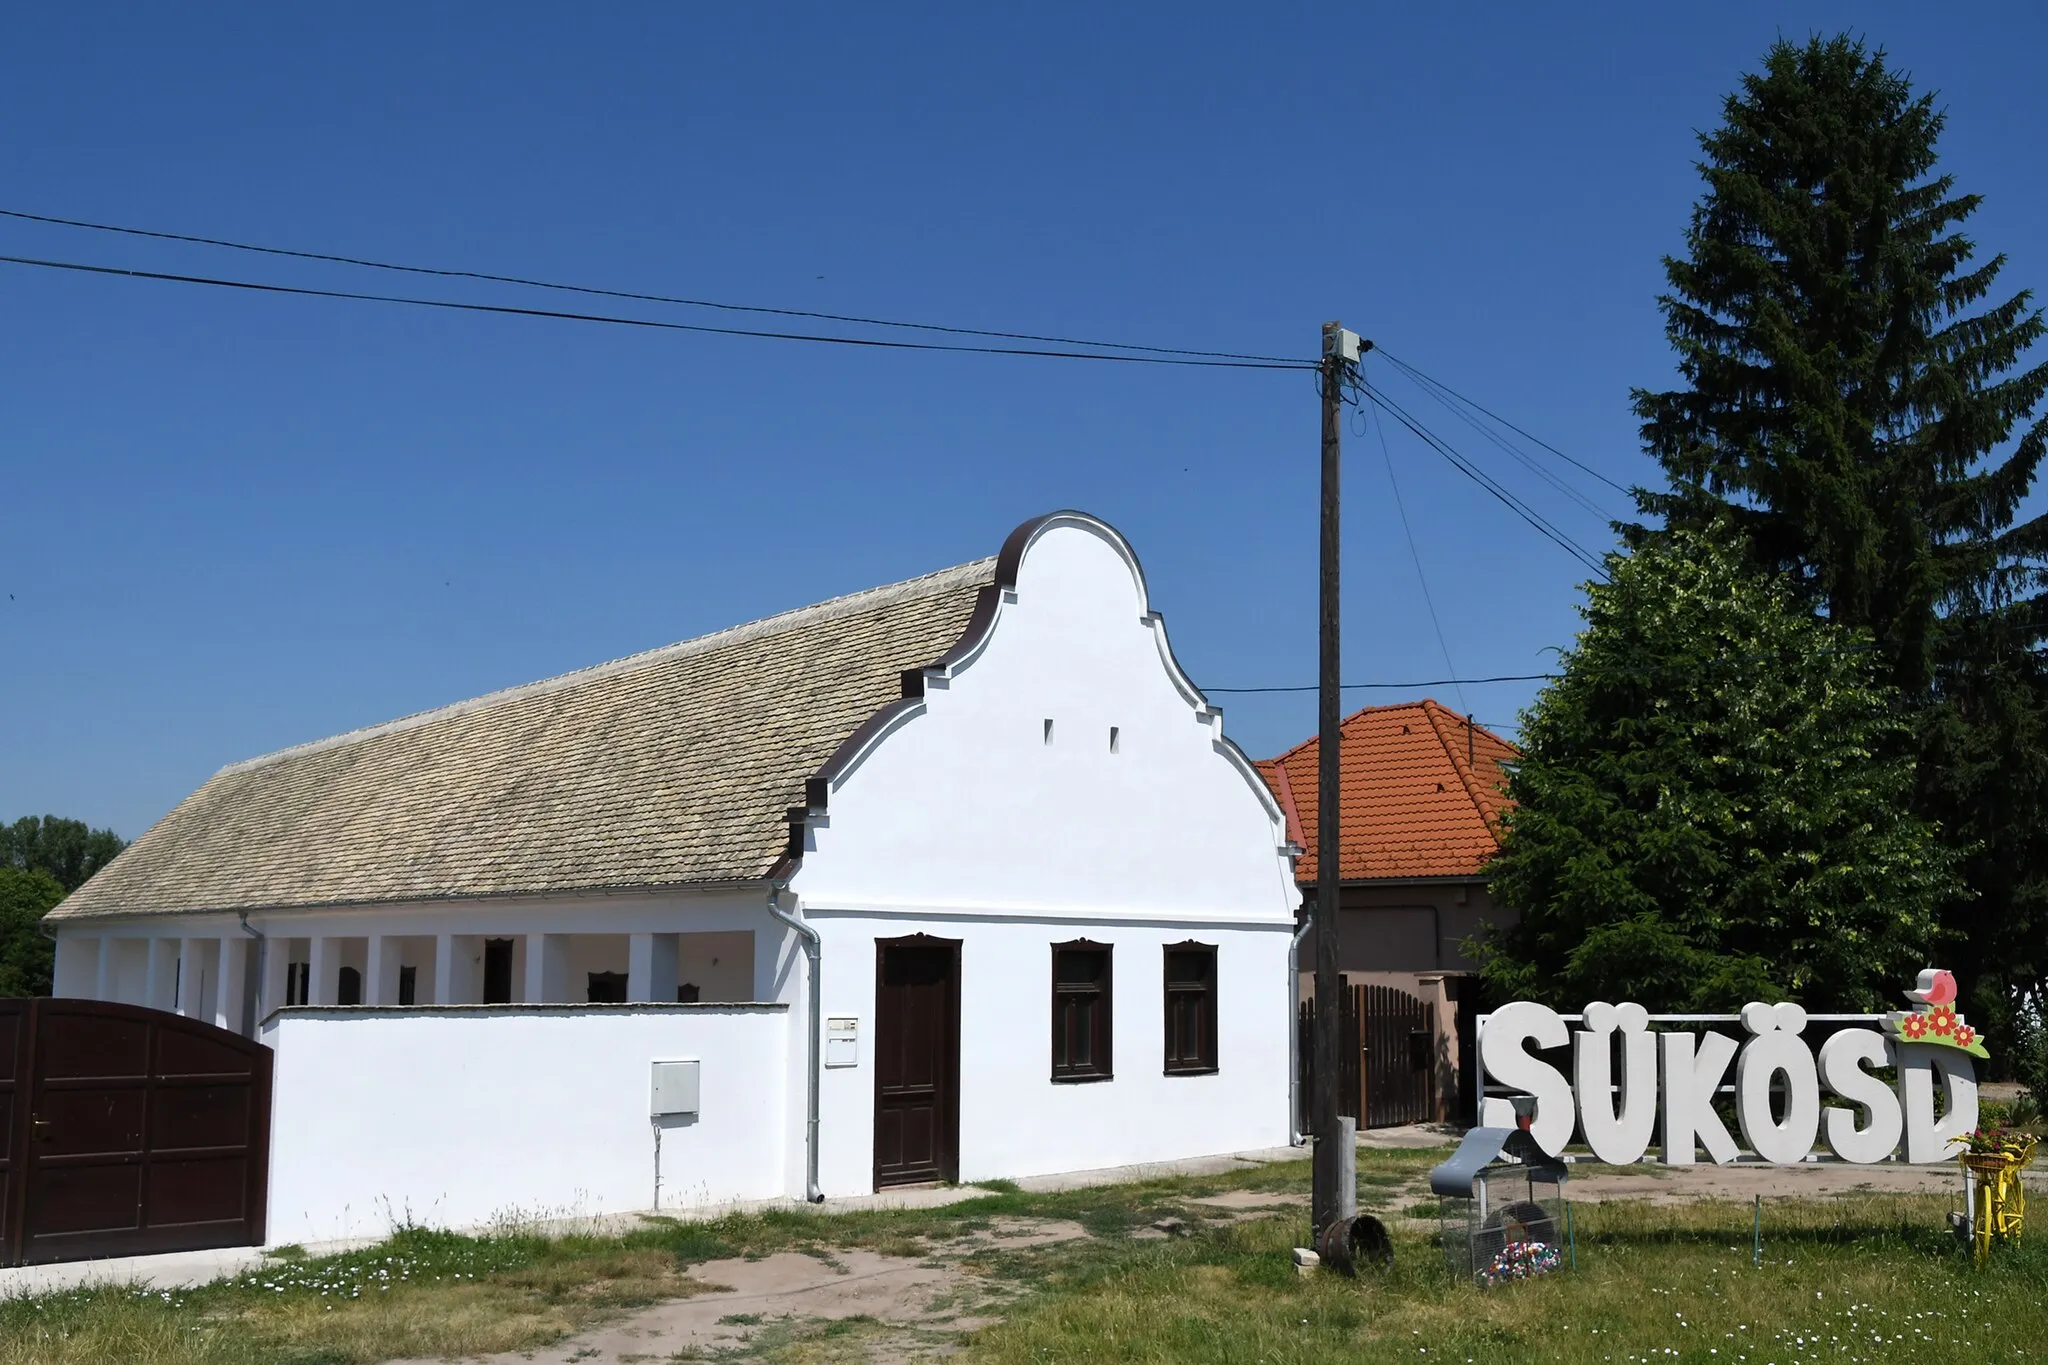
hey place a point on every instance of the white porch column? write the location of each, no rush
(160, 984)
(323, 971)
(232, 981)
(547, 968)
(103, 988)
(454, 971)
(380, 975)
(192, 976)
(651, 968)
(277, 959)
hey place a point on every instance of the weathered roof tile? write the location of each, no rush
(671, 767)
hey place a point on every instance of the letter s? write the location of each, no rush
(1503, 1053)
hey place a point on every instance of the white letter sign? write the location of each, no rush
(1777, 1085)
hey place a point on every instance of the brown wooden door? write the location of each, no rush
(917, 1060)
(143, 1132)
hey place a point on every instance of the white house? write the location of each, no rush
(952, 879)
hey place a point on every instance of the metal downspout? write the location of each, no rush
(814, 1024)
(252, 984)
(1295, 1137)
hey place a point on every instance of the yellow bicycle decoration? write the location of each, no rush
(1991, 1174)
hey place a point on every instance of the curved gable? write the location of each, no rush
(995, 780)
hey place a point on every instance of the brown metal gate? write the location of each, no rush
(1388, 1052)
(125, 1131)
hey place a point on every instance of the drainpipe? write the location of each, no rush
(1295, 1138)
(252, 982)
(814, 1023)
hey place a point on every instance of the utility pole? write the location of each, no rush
(1334, 1193)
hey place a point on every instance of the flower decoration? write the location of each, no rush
(2010, 1144)
(1933, 1019)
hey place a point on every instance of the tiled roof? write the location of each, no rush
(1423, 794)
(671, 767)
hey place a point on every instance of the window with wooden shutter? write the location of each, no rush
(1190, 1008)
(1080, 1011)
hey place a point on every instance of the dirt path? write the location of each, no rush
(762, 1299)
(909, 1308)
(1685, 1184)
(875, 1307)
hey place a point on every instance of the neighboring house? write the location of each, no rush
(1423, 789)
(950, 879)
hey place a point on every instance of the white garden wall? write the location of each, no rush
(462, 1115)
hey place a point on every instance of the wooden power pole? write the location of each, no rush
(1333, 1194)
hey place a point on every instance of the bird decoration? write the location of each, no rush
(1936, 987)
(1934, 1020)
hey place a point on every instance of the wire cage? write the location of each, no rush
(1503, 1215)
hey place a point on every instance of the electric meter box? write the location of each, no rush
(675, 1088)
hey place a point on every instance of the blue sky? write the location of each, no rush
(231, 523)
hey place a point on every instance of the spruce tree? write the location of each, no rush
(1866, 418)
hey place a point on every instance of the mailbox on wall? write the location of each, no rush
(842, 1040)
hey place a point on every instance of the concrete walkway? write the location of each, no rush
(184, 1269)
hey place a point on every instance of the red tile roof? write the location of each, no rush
(1414, 806)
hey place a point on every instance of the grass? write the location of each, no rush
(1861, 1277)
(1855, 1279)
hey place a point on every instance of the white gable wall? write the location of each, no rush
(967, 804)
(965, 821)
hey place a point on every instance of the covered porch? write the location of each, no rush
(208, 976)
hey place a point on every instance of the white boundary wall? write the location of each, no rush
(458, 1116)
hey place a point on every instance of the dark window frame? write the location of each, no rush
(1101, 1064)
(1204, 1061)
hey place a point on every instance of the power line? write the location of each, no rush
(1414, 554)
(510, 310)
(1422, 378)
(1397, 686)
(1487, 482)
(1510, 449)
(369, 264)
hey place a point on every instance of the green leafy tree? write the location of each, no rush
(66, 849)
(1710, 806)
(26, 955)
(1856, 401)
(43, 859)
